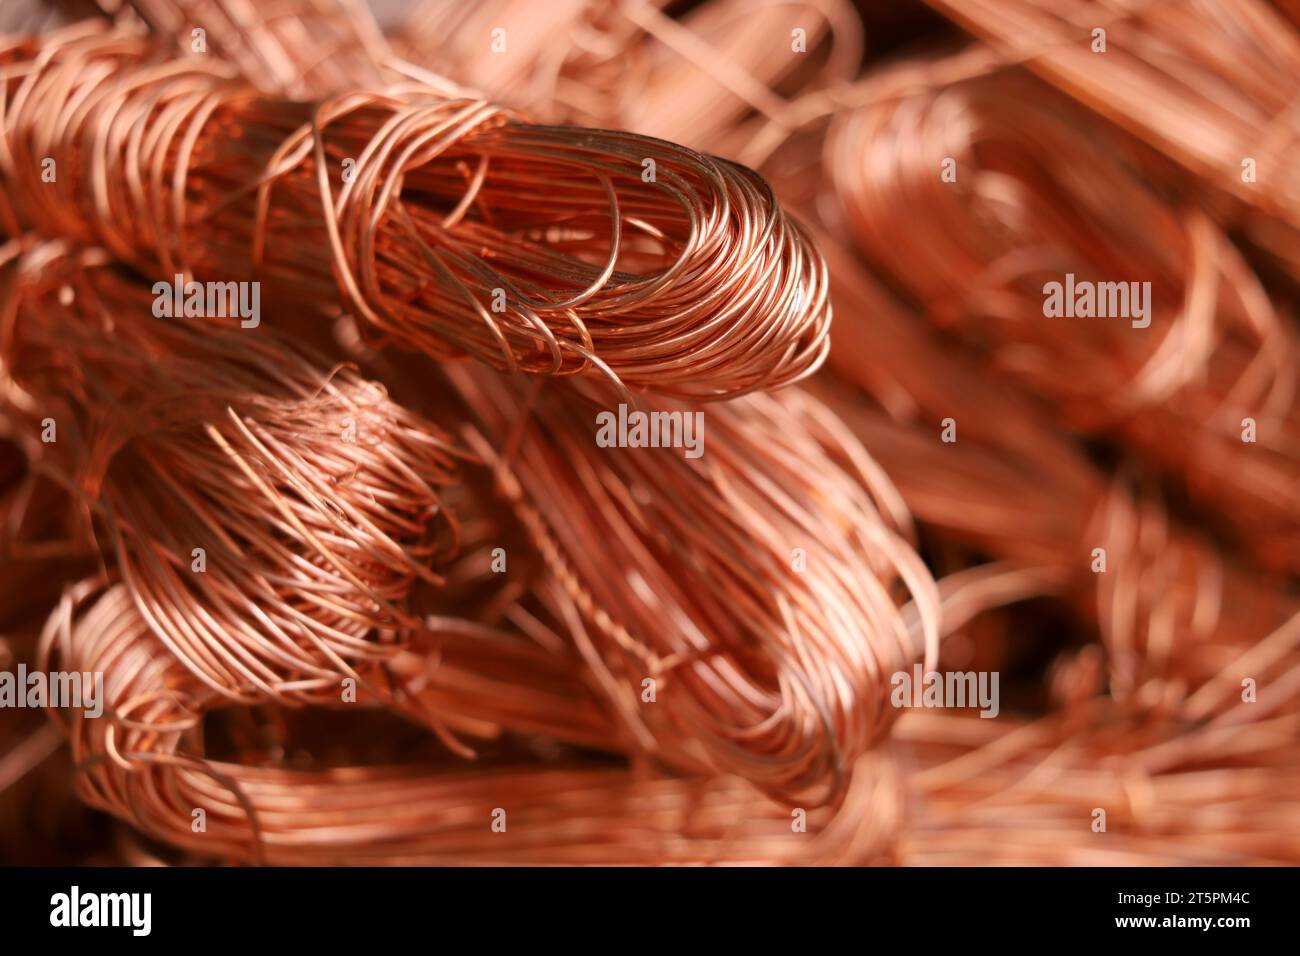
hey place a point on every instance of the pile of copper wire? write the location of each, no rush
(365, 587)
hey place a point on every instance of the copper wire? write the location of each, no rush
(35, 16)
(309, 49)
(1208, 83)
(1026, 794)
(41, 821)
(698, 78)
(1212, 85)
(772, 650)
(1179, 619)
(239, 659)
(1216, 353)
(313, 536)
(311, 497)
(465, 230)
(651, 565)
(145, 763)
(973, 780)
(1172, 608)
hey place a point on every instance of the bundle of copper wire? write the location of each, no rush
(1217, 363)
(356, 604)
(779, 667)
(268, 518)
(447, 223)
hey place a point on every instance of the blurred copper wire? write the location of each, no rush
(1028, 793)
(1214, 84)
(1171, 607)
(31, 17)
(1182, 623)
(710, 76)
(310, 48)
(1181, 392)
(41, 821)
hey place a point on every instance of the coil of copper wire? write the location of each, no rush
(453, 226)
